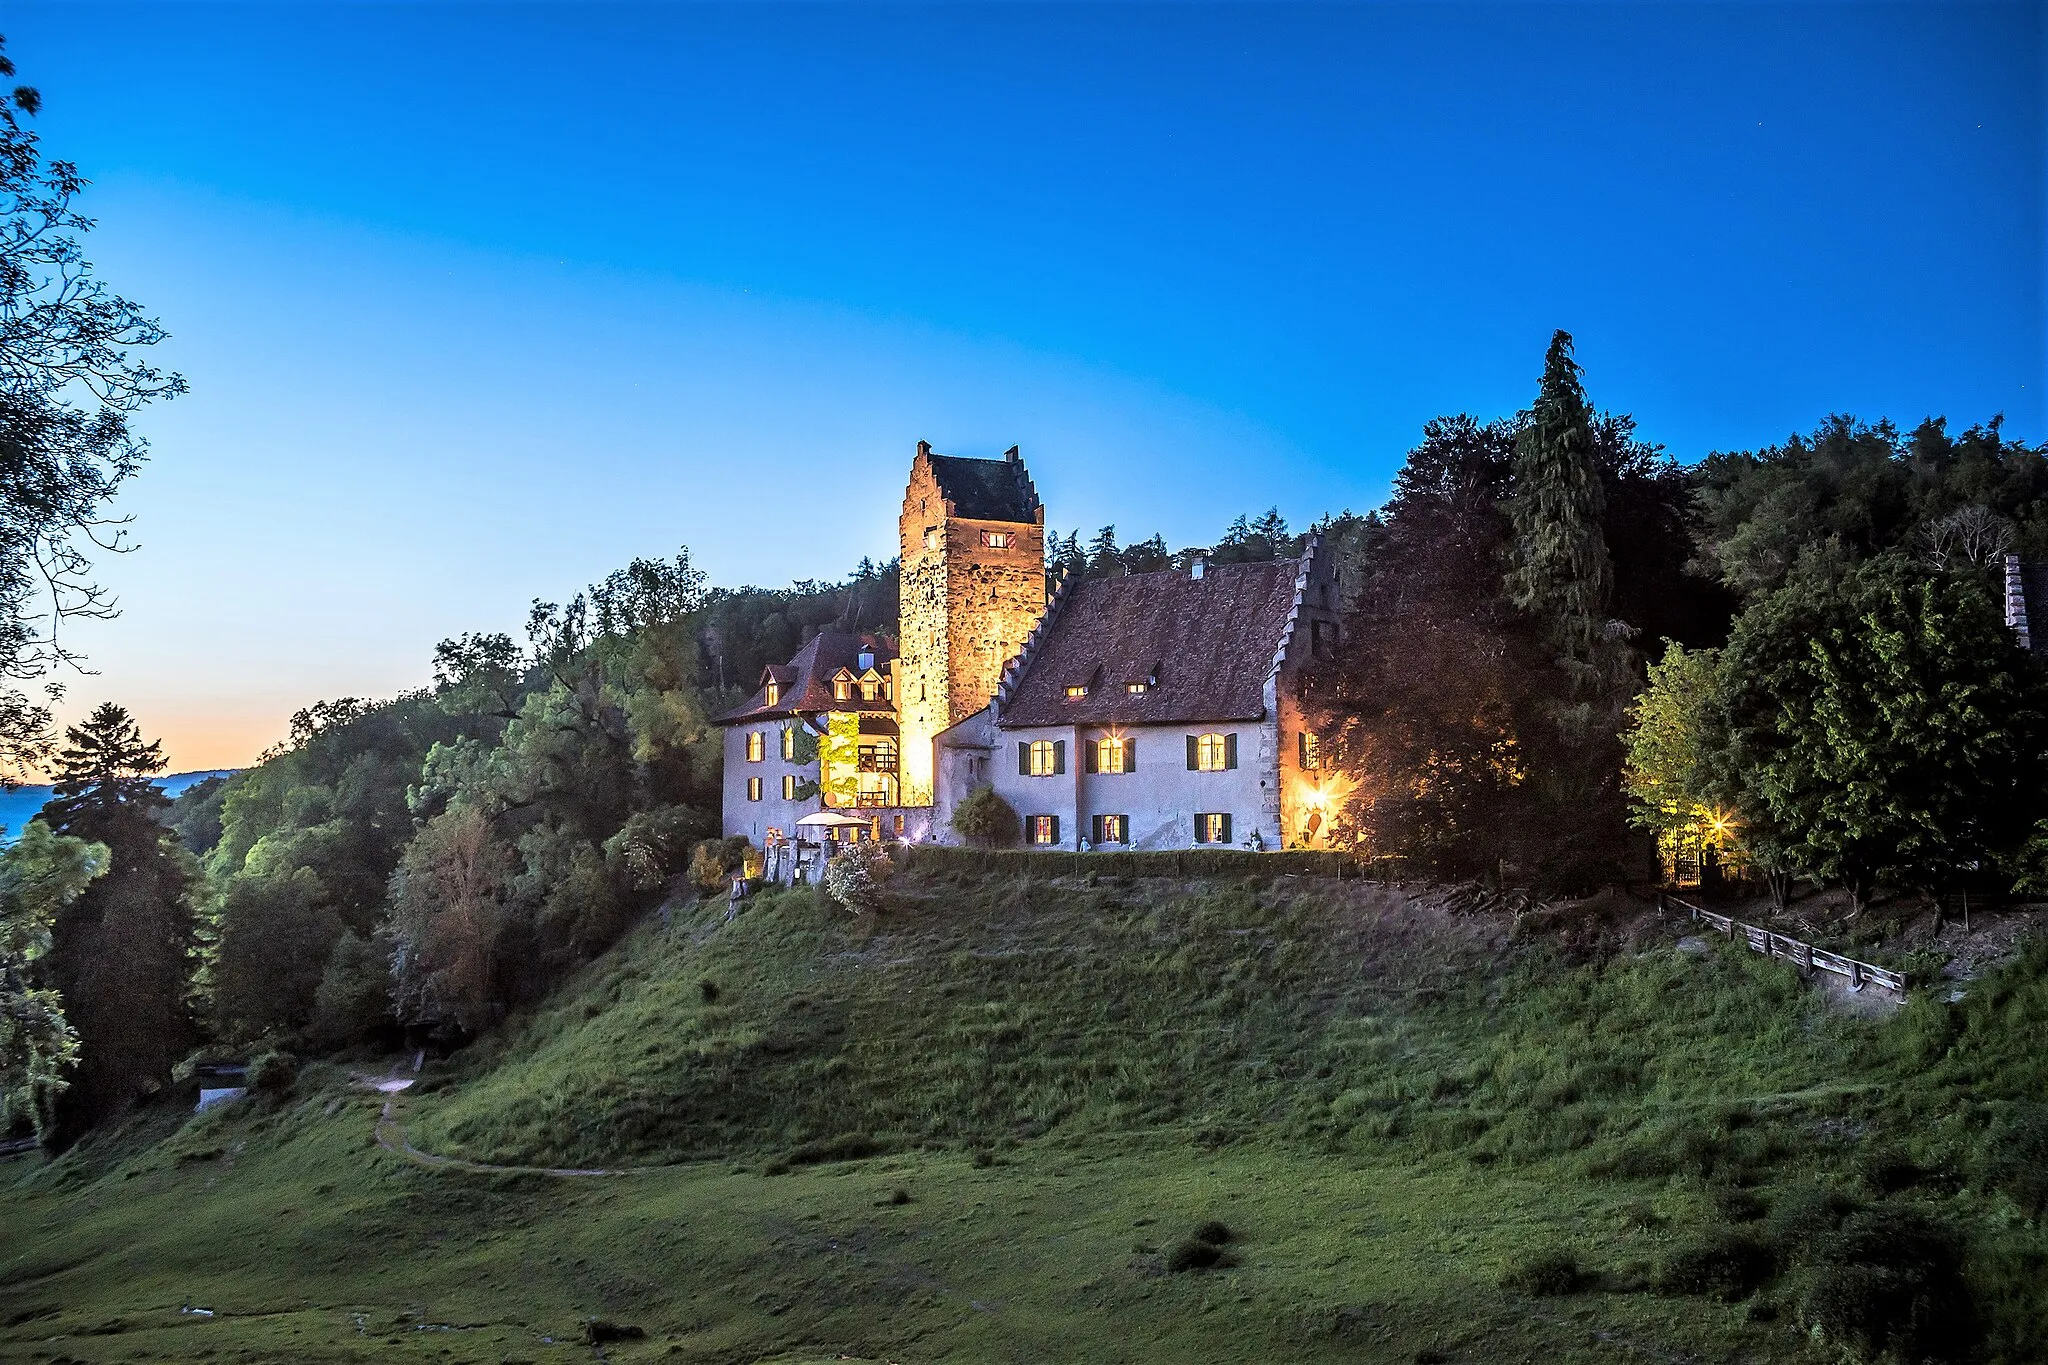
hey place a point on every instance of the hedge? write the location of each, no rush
(1189, 862)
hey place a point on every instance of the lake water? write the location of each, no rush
(19, 806)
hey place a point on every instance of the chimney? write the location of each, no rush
(924, 448)
(1196, 569)
(1012, 455)
(866, 660)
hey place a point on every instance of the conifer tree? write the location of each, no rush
(122, 953)
(1561, 574)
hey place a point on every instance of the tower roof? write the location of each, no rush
(986, 490)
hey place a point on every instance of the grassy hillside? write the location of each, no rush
(990, 1126)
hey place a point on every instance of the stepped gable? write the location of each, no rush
(806, 680)
(986, 490)
(1204, 647)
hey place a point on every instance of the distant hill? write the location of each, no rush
(19, 806)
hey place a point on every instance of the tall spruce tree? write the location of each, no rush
(1561, 573)
(124, 951)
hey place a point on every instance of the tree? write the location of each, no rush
(69, 383)
(1882, 720)
(40, 874)
(983, 817)
(447, 909)
(125, 951)
(1105, 557)
(1561, 574)
(1671, 739)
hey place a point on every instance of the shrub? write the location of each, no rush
(1808, 1214)
(1891, 1281)
(1738, 1205)
(273, 1073)
(1551, 1271)
(1723, 1263)
(2015, 1158)
(984, 818)
(939, 860)
(1202, 1250)
(854, 878)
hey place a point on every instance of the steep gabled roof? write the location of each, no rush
(1209, 642)
(986, 490)
(807, 679)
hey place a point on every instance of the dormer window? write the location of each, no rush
(1075, 691)
(997, 540)
(1137, 687)
(773, 693)
(842, 688)
(870, 689)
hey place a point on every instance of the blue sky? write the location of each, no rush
(479, 302)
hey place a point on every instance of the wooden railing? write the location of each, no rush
(1803, 955)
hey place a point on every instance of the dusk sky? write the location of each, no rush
(479, 302)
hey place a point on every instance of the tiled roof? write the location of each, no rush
(1210, 642)
(807, 679)
(986, 490)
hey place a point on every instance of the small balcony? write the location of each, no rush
(873, 798)
(876, 761)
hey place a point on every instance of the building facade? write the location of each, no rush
(1161, 710)
(1151, 711)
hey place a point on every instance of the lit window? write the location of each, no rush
(931, 538)
(1212, 829)
(842, 689)
(789, 743)
(757, 746)
(1110, 755)
(1043, 758)
(1112, 829)
(773, 693)
(996, 540)
(1045, 829)
(1311, 752)
(1077, 690)
(1135, 688)
(870, 689)
(753, 789)
(789, 786)
(1212, 753)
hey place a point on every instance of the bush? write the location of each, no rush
(1204, 1249)
(984, 818)
(1808, 1214)
(1891, 1281)
(854, 878)
(273, 1073)
(1723, 1263)
(2015, 1158)
(353, 1003)
(1552, 1271)
(937, 859)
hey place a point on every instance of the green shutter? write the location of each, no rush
(1023, 758)
(1059, 760)
(1088, 763)
(1194, 757)
(1130, 755)
(1225, 836)
(1055, 828)
(1229, 757)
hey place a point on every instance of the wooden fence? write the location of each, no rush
(1802, 955)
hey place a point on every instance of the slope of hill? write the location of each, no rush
(991, 1126)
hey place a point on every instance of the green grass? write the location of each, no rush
(981, 1128)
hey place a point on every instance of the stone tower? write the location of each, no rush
(973, 541)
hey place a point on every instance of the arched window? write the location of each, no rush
(842, 689)
(1212, 753)
(1044, 756)
(757, 746)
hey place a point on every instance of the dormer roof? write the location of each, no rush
(806, 680)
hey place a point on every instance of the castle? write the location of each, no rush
(1152, 711)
